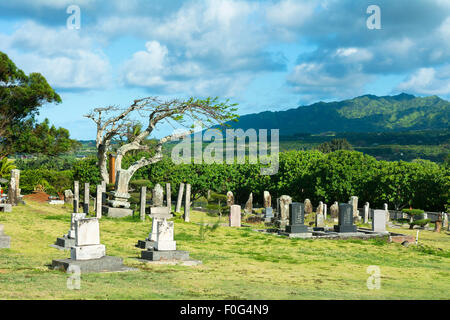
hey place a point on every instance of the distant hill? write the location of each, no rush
(368, 113)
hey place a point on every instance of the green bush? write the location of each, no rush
(50, 181)
(421, 222)
(413, 212)
(137, 184)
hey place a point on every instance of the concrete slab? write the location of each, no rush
(104, 264)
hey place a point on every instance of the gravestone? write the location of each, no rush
(88, 254)
(143, 202)
(249, 204)
(379, 221)
(438, 223)
(165, 248)
(345, 219)
(386, 210)
(366, 212)
(76, 196)
(13, 190)
(325, 211)
(187, 203)
(268, 214)
(354, 202)
(319, 209)
(320, 222)
(119, 206)
(86, 198)
(308, 206)
(5, 241)
(99, 202)
(68, 240)
(230, 199)
(5, 207)
(168, 196)
(334, 210)
(68, 196)
(285, 201)
(158, 196)
(180, 197)
(445, 221)
(235, 216)
(157, 214)
(267, 199)
(297, 225)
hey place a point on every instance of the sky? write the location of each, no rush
(263, 55)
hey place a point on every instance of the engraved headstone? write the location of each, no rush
(345, 223)
(268, 214)
(164, 239)
(87, 240)
(296, 218)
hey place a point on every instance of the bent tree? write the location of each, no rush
(113, 123)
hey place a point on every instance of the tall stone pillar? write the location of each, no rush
(169, 196)
(99, 201)
(187, 203)
(86, 198)
(180, 197)
(143, 202)
(112, 169)
(76, 196)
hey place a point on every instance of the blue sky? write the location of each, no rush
(263, 55)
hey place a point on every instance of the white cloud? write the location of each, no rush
(65, 58)
(428, 81)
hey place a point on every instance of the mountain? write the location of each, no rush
(368, 113)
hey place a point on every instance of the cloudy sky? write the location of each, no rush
(264, 55)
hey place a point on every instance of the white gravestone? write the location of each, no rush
(75, 217)
(164, 241)
(379, 221)
(87, 242)
(235, 216)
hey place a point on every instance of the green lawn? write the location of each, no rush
(237, 263)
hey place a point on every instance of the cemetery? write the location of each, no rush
(158, 245)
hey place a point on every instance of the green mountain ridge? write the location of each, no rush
(368, 113)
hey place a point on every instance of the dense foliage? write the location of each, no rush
(302, 174)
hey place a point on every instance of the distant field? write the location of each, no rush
(237, 263)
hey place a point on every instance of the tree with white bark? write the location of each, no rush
(114, 123)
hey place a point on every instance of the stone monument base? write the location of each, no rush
(155, 255)
(5, 242)
(117, 212)
(104, 264)
(64, 243)
(5, 207)
(145, 244)
(297, 235)
(89, 252)
(297, 229)
(341, 229)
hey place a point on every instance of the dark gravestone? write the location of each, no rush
(296, 218)
(345, 223)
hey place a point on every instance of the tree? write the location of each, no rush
(156, 111)
(335, 145)
(39, 138)
(20, 98)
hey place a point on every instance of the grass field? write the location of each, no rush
(237, 263)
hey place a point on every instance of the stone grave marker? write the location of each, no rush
(320, 222)
(168, 196)
(267, 200)
(235, 216)
(76, 196)
(297, 227)
(180, 197)
(366, 212)
(158, 196)
(88, 254)
(268, 214)
(308, 206)
(345, 223)
(143, 202)
(86, 198)
(379, 221)
(157, 214)
(249, 204)
(325, 208)
(230, 199)
(187, 203)
(67, 241)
